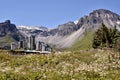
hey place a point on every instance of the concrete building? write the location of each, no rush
(43, 46)
(13, 46)
(48, 48)
(31, 42)
(21, 44)
(40, 46)
(26, 41)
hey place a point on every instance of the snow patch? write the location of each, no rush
(27, 27)
(32, 28)
(118, 22)
(76, 21)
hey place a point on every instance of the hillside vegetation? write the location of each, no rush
(101, 38)
(106, 37)
(87, 65)
(83, 44)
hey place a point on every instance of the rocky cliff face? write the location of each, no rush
(8, 34)
(65, 35)
(67, 28)
(6, 27)
(97, 17)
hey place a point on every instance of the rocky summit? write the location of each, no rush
(6, 27)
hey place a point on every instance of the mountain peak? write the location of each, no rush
(8, 22)
(103, 12)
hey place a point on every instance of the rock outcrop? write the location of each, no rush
(8, 34)
(6, 27)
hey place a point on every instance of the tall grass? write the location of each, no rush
(78, 65)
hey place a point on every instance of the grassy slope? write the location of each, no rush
(7, 39)
(84, 65)
(85, 43)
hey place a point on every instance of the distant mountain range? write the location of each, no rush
(65, 35)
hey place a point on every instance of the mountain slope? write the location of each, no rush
(66, 35)
(83, 44)
(8, 34)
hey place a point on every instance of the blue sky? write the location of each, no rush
(50, 13)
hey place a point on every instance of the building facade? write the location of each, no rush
(29, 43)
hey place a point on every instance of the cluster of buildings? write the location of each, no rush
(30, 43)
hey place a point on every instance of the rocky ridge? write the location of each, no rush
(65, 35)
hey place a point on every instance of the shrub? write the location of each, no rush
(105, 37)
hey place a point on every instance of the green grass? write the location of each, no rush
(78, 65)
(84, 44)
(7, 39)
